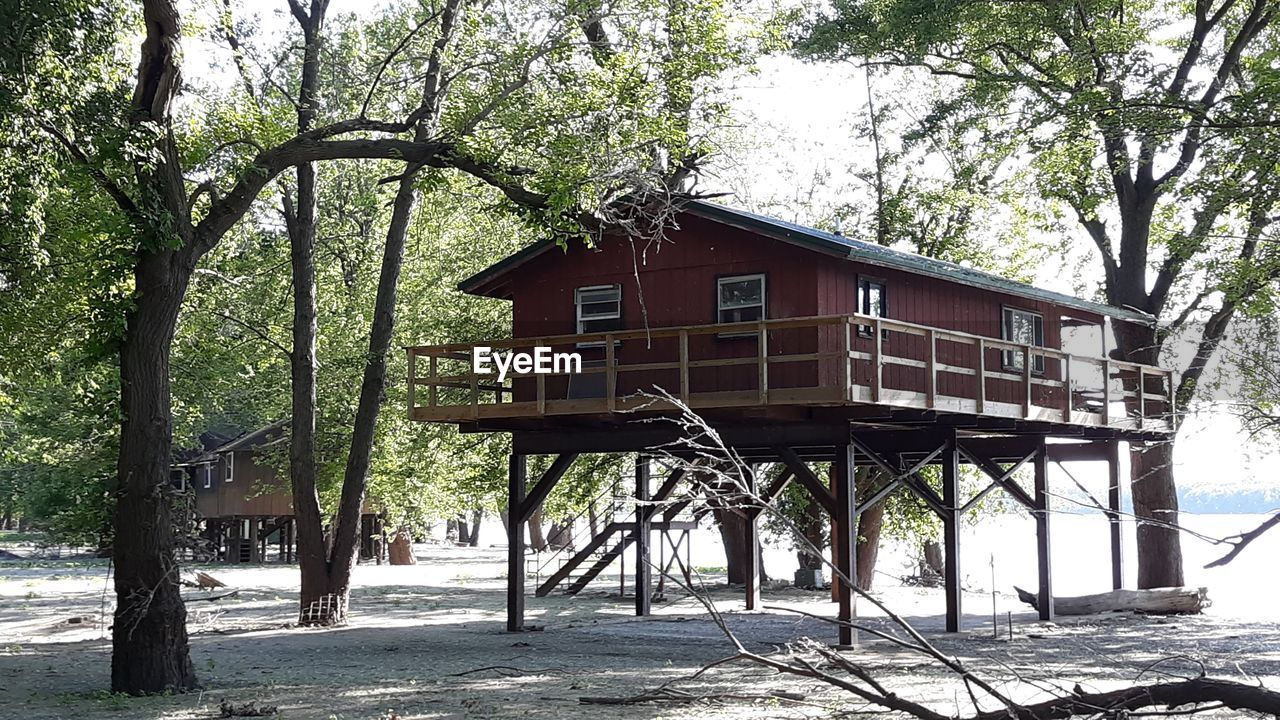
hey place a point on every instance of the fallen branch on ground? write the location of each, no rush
(669, 695)
(1155, 601)
(249, 709)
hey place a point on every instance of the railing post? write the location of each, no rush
(474, 381)
(413, 371)
(542, 394)
(1106, 391)
(1026, 381)
(981, 399)
(1066, 388)
(846, 359)
(930, 369)
(684, 366)
(1142, 397)
(877, 360)
(762, 362)
(611, 374)
(432, 389)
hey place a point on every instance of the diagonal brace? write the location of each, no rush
(543, 488)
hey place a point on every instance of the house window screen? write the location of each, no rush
(740, 298)
(599, 308)
(1024, 328)
(872, 302)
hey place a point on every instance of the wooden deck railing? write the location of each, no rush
(823, 360)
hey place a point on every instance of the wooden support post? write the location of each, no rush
(411, 385)
(762, 361)
(1026, 381)
(293, 540)
(644, 512)
(1044, 558)
(1113, 514)
(283, 541)
(433, 390)
(751, 559)
(930, 369)
(844, 551)
(1106, 392)
(951, 531)
(847, 380)
(610, 375)
(684, 366)
(1067, 405)
(981, 400)
(517, 469)
(877, 360)
(255, 523)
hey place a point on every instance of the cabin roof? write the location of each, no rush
(250, 439)
(485, 281)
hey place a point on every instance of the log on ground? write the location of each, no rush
(1155, 601)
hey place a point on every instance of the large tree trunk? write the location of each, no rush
(322, 601)
(815, 533)
(1155, 497)
(473, 535)
(149, 630)
(400, 551)
(1151, 481)
(869, 525)
(537, 541)
(733, 535)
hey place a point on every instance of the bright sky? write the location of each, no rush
(793, 150)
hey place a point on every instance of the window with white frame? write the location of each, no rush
(740, 298)
(599, 308)
(871, 302)
(1025, 328)
(229, 465)
(207, 469)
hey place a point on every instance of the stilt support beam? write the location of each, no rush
(1113, 514)
(517, 470)
(844, 552)
(751, 542)
(1042, 514)
(951, 531)
(644, 512)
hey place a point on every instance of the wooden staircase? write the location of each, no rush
(604, 559)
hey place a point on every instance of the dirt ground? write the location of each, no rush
(427, 641)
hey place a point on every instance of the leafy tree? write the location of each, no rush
(1151, 126)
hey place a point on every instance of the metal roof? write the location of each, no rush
(847, 248)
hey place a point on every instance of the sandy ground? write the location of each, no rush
(427, 641)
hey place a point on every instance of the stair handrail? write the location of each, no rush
(545, 559)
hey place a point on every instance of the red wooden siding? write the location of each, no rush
(678, 278)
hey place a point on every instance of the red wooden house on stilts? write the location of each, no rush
(799, 346)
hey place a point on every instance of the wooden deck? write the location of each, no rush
(825, 361)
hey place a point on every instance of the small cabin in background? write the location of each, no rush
(246, 508)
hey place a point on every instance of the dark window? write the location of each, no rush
(229, 463)
(208, 475)
(1024, 328)
(740, 298)
(871, 302)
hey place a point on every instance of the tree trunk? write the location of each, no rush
(400, 551)
(1151, 481)
(815, 533)
(733, 535)
(453, 531)
(323, 598)
(473, 535)
(931, 564)
(149, 630)
(537, 541)
(869, 525)
(1155, 497)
